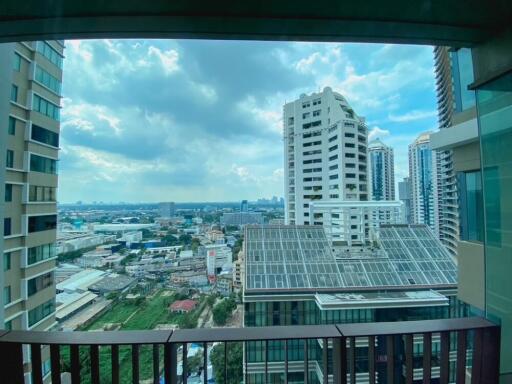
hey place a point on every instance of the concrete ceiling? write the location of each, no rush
(440, 22)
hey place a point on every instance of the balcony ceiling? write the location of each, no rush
(441, 22)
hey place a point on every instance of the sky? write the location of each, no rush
(192, 120)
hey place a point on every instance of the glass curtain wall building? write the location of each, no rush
(293, 278)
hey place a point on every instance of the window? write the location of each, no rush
(40, 312)
(8, 192)
(316, 113)
(42, 164)
(350, 145)
(41, 252)
(350, 175)
(333, 157)
(331, 139)
(14, 93)
(350, 135)
(7, 294)
(332, 167)
(350, 155)
(48, 80)
(16, 62)
(312, 143)
(333, 148)
(7, 226)
(311, 161)
(305, 115)
(42, 223)
(9, 161)
(44, 136)
(315, 152)
(334, 186)
(317, 101)
(311, 170)
(46, 107)
(7, 261)
(290, 121)
(350, 165)
(306, 105)
(12, 126)
(50, 53)
(312, 134)
(312, 124)
(8, 325)
(40, 193)
(333, 177)
(39, 283)
(471, 206)
(334, 196)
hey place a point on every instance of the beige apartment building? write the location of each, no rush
(31, 144)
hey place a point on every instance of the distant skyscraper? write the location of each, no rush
(29, 141)
(166, 209)
(244, 206)
(404, 195)
(423, 171)
(325, 146)
(382, 171)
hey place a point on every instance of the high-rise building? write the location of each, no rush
(325, 146)
(454, 72)
(30, 146)
(244, 206)
(166, 209)
(382, 171)
(404, 195)
(423, 172)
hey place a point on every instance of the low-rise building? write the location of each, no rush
(183, 306)
(224, 284)
(113, 283)
(94, 259)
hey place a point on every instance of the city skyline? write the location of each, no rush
(235, 154)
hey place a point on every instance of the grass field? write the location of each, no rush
(131, 317)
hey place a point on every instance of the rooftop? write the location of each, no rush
(283, 258)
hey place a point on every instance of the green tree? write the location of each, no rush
(222, 311)
(188, 321)
(185, 239)
(234, 363)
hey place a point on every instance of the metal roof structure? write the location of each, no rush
(299, 258)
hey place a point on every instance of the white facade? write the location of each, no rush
(325, 148)
(218, 257)
(382, 171)
(349, 223)
(423, 173)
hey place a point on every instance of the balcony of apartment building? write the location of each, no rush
(447, 350)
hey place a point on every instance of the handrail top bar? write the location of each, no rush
(88, 338)
(414, 327)
(255, 333)
(198, 335)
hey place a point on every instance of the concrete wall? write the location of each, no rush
(493, 57)
(466, 157)
(471, 273)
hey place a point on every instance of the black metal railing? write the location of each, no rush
(468, 353)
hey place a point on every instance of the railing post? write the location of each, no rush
(11, 355)
(170, 363)
(490, 355)
(336, 360)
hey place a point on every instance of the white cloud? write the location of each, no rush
(377, 132)
(168, 59)
(412, 116)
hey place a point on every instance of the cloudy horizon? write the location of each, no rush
(192, 120)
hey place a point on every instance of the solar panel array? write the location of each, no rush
(299, 257)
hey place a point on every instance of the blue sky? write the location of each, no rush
(191, 120)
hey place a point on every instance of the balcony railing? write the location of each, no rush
(392, 357)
